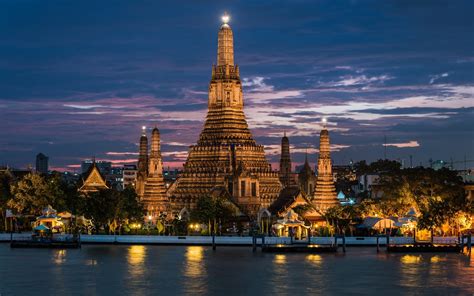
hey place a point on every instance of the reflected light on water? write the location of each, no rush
(410, 270)
(410, 259)
(59, 257)
(280, 259)
(436, 259)
(194, 256)
(194, 270)
(314, 259)
(136, 258)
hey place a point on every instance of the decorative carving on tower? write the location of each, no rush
(154, 193)
(325, 194)
(226, 155)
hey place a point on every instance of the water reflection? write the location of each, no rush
(410, 259)
(59, 257)
(314, 259)
(411, 275)
(136, 258)
(194, 270)
(279, 259)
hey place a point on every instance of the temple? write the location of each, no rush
(94, 181)
(226, 158)
(324, 195)
(150, 185)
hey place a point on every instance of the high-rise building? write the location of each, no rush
(129, 175)
(324, 195)
(42, 163)
(226, 161)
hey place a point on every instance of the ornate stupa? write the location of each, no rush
(142, 167)
(226, 159)
(285, 162)
(154, 192)
(325, 193)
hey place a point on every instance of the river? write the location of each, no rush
(195, 270)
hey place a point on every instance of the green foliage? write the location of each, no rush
(34, 192)
(5, 195)
(343, 218)
(109, 207)
(212, 208)
(436, 195)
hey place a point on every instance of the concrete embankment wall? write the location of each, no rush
(221, 240)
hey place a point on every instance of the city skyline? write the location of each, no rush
(80, 84)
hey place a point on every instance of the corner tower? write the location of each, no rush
(325, 194)
(142, 167)
(154, 196)
(226, 161)
(285, 162)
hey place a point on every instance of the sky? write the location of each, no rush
(78, 79)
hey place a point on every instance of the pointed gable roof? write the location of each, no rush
(94, 180)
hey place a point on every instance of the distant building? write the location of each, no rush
(42, 163)
(129, 175)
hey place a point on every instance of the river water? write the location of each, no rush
(194, 270)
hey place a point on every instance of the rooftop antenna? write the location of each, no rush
(384, 147)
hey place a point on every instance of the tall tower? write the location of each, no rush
(142, 169)
(154, 197)
(285, 162)
(226, 159)
(325, 194)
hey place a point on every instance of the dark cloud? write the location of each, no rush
(80, 78)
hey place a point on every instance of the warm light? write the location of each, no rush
(143, 127)
(325, 120)
(149, 217)
(225, 18)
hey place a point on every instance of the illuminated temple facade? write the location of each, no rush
(324, 195)
(226, 160)
(150, 185)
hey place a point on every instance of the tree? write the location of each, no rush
(6, 179)
(436, 195)
(110, 208)
(32, 193)
(212, 209)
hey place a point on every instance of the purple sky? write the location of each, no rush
(79, 78)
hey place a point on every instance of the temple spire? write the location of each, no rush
(325, 194)
(225, 43)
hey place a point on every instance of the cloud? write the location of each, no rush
(410, 144)
(439, 76)
(121, 153)
(83, 107)
(359, 80)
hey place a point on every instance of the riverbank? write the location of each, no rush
(221, 240)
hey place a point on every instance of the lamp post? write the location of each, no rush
(149, 223)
